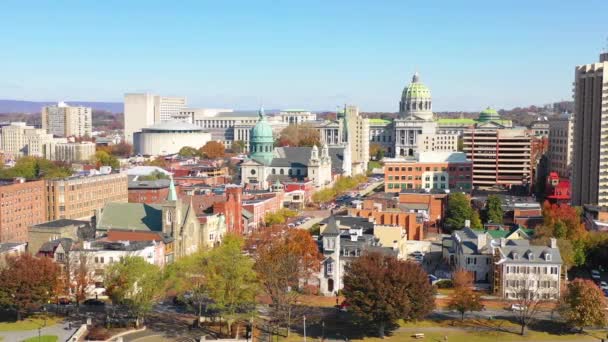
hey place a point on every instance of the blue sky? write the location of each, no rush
(299, 54)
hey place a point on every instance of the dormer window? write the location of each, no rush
(530, 256)
(515, 256)
(548, 256)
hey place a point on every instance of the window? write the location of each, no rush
(330, 268)
(548, 257)
(252, 171)
(390, 169)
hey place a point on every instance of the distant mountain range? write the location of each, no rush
(16, 106)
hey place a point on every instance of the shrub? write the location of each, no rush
(445, 284)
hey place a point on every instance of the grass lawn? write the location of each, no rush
(43, 338)
(29, 323)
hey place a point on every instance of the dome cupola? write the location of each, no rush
(416, 100)
(262, 140)
(488, 114)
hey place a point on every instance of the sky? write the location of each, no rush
(299, 54)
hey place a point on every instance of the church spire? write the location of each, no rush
(172, 195)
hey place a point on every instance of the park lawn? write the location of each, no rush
(29, 323)
(43, 338)
(466, 336)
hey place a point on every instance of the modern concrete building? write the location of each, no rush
(74, 151)
(590, 150)
(19, 140)
(500, 156)
(357, 138)
(62, 120)
(78, 197)
(21, 205)
(143, 110)
(561, 134)
(428, 170)
(438, 142)
(296, 116)
(168, 138)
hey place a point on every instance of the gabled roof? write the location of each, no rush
(332, 227)
(130, 216)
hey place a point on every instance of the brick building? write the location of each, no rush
(80, 196)
(411, 222)
(261, 204)
(154, 191)
(231, 208)
(435, 201)
(428, 170)
(22, 204)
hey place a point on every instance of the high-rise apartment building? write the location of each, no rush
(590, 149)
(63, 120)
(19, 139)
(357, 135)
(560, 144)
(143, 110)
(80, 196)
(500, 156)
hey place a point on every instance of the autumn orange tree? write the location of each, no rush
(583, 304)
(285, 259)
(464, 298)
(27, 283)
(299, 135)
(213, 150)
(380, 289)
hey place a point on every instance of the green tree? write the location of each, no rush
(494, 212)
(134, 283)
(230, 279)
(583, 304)
(279, 216)
(188, 152)
(459, 209)
(34, 168)
(381, 289)
(476, 221)
(103, 158)
(154, 175)
(187, 276)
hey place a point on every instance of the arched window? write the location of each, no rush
(282, 172)
(274, 171)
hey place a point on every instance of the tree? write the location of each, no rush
(122, 149)
(284, 260)
(34, 168)
(238, 146)
(493, 211)
(188, 152)
(279, 216)
(27, 283)
(134, 283)
(376, 151)
(154, 175)
(476, 221)
(562, 221)
(530, 298)
(381, 289)
(463, 298)
(299, 135)
(102, 158)
(187, 275)
(230, 279)
(583, 304)
(213, 150)
(458, 210)
(158, 161)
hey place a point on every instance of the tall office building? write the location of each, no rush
(590, 152)
(560, 144)
(63, 120)
(357, 136)
(143, 110)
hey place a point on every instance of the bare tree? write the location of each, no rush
(531, 292)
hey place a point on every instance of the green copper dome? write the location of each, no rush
(262, 141)
(488, 114)
(262, 132)
(416, 90)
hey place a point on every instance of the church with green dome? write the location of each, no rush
(267, 165)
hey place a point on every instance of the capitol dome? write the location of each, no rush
(488, 114)
(416, 100)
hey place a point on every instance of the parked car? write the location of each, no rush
(417, 253)
(518, 307)
(93, 302)
(291, 225)
(418, 258)
(603, 285)
(595, 274)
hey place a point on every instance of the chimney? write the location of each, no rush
(467, 223)
(503, 242)
(553, 243)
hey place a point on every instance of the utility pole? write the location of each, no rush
(304, 328)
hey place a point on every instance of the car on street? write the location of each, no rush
(518, 307)
(595, 274)
(603, 285)
(417, 253)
